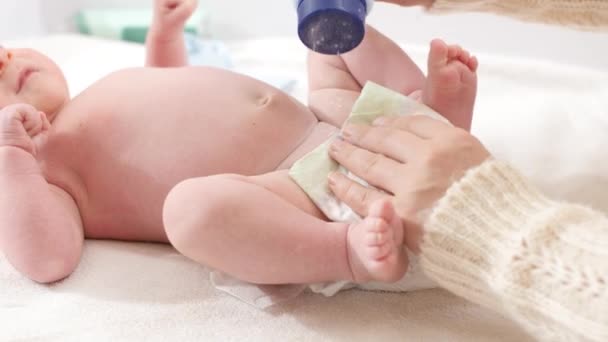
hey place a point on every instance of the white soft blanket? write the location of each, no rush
(550, 121)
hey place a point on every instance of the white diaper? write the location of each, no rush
(310, 173)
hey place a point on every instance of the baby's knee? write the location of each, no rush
(196, 207)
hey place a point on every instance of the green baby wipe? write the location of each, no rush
(311, 171)
(127, 24)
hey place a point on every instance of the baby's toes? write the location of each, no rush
(438, 55)
(454, 51)
(378, 233)
(380, 240)
(380, 253)
(473, 63)
(464, 57)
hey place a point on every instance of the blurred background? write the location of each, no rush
(246, 19)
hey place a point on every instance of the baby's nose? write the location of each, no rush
(5, 57)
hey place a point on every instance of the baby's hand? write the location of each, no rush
(23, 126)
(171, 15)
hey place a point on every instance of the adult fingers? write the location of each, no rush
(421, 125)
(374, 168)
(355, 195)
(394, 143)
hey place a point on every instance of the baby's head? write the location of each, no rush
(27, 76)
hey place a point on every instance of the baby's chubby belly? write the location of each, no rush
(121, 145)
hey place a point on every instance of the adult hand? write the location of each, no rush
(413, 159)
(425, 3)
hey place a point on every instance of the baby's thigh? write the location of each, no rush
(279, 183)
(332, 106)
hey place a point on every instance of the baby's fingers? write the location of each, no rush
(33, 123)
(183, 9)
(28, 116)
(40, 137)
(46, 125)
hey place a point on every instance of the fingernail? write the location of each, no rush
(347, 132)
(336, 146)
(379, 121)
(332, 179)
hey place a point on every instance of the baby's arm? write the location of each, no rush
(40, 227)
(377, 59)
(165, 44)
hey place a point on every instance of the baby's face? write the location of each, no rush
(27, 76)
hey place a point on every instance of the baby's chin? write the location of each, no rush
(51, 108)
(53, 102)
(52, 114)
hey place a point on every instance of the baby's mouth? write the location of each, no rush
(24, 75)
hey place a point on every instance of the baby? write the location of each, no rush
(198, 157)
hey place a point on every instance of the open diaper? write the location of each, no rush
(310, 173)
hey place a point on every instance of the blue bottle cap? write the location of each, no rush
(331, 26)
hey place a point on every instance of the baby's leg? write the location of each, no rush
(451, 83)
(336, 80)
(265, 230)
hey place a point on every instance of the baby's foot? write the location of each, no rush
(375, 246)
(451, 83)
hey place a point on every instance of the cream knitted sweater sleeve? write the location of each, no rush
(584, 14)
(493, 239)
